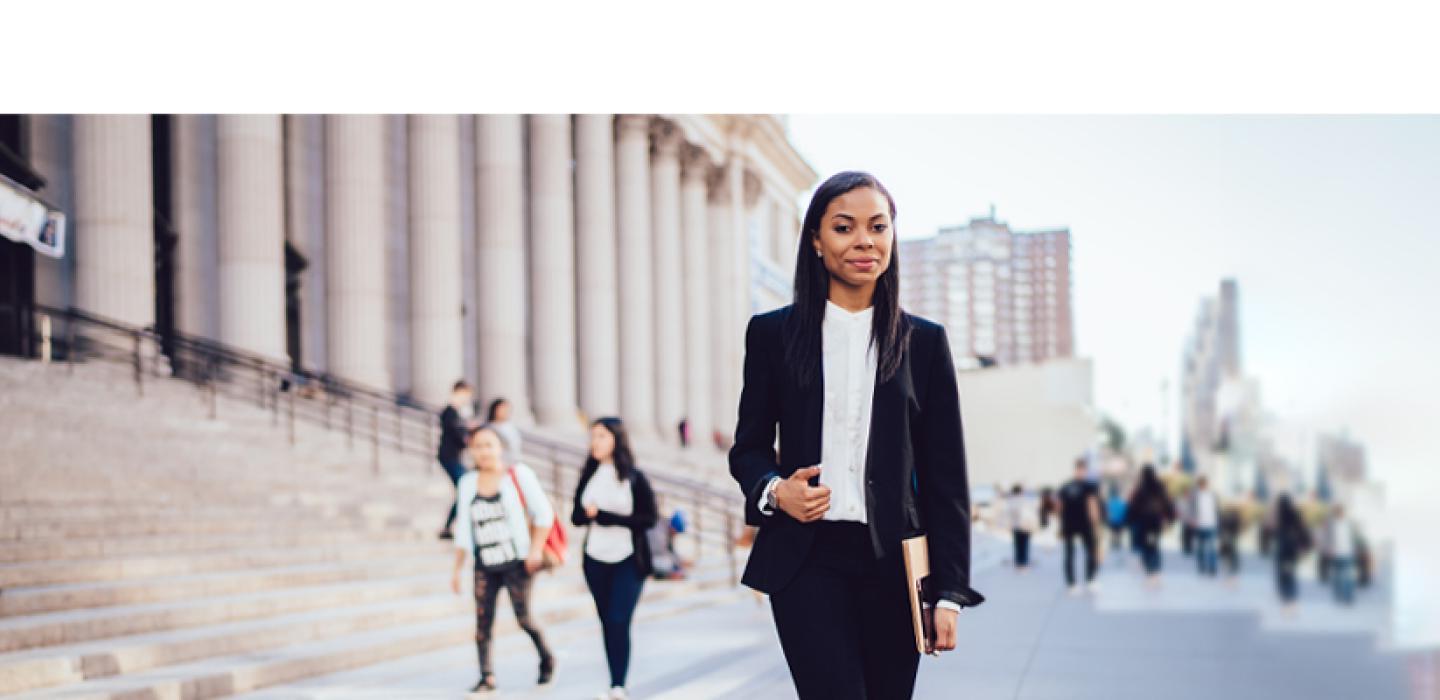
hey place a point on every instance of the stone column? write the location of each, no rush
(697, 253)
(193, 191)
(597, 295)
(637, 311)
(114, 225)
(355, 248)
(719, 297)
(251, 204)
(435, 292)
(48, 138)
(500, 245)
(305, 222)
(670, 347)
(552, 269)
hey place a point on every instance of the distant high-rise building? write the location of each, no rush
(1002, 295)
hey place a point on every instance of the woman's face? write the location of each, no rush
(485, 450)
(856, 236)
(502, 412)
(602, 443)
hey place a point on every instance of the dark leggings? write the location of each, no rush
(616, 589)
(487, 596)
(454, 470)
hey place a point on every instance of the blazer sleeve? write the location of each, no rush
(645, 513)
(944, 482)
(752, 457)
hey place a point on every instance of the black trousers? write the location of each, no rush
(616, 590)
(1086, 537)
(844, 621)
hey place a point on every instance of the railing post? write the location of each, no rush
(699, 533)
(274, 394)
(139, 370)
(70, 345)
(350, 421)
(375, 437)
(399, 430)
(291, 402)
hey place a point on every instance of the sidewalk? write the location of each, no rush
(1030, 640)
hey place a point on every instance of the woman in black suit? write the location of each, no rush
(616, 505)
(864, 400)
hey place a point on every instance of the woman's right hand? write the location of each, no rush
(799, 499)
(455, 582)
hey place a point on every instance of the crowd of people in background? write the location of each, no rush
(1209, 528)
(504, 525)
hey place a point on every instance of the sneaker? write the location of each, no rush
(618, 693)
(1093, 587)
(1074, 590)
(485, 686)
(445, 535)
(547, 671)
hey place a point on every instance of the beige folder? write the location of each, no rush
(917, 571)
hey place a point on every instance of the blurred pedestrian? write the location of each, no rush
(1021, 516)
(1046, 506)
(1115, 517)
(1232, 522)
(613, 499)
(1079, 515)
(1150, 511)
(1341, 543)
(507, 517)
(1292, 541)
(1205, 511)
(1186, 507)
(455, 423)
(498, 418)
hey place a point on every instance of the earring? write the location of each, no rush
(819, 254)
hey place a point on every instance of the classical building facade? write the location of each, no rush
(579, 265)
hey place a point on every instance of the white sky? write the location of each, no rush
(1331, 225)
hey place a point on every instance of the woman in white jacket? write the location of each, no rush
(503, 531)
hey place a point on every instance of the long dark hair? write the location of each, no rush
(889, 331)
(624, 459)
(1287, 515)
(494, 406)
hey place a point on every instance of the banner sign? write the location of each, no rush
(24, 218)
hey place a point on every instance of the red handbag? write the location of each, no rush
(556, 542)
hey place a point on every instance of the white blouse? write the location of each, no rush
(605, 491)
(848, 361)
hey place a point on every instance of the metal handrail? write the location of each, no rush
(388, 421)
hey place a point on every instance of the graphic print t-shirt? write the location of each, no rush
(494, 543)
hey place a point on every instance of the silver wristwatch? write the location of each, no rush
(770, 504)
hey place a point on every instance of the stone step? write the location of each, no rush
(106, 548)
(31, 600)
(53, 666)
(71, 626)
(132, 567)
(200, 523)
(226, 675)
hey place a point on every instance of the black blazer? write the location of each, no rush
(643, 515)
(915, 445)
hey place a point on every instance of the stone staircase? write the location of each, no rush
(148, 551)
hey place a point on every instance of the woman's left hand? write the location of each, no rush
(946, 620)
(534, 563)
(591, 512)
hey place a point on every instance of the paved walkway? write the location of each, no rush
(1194, 638)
